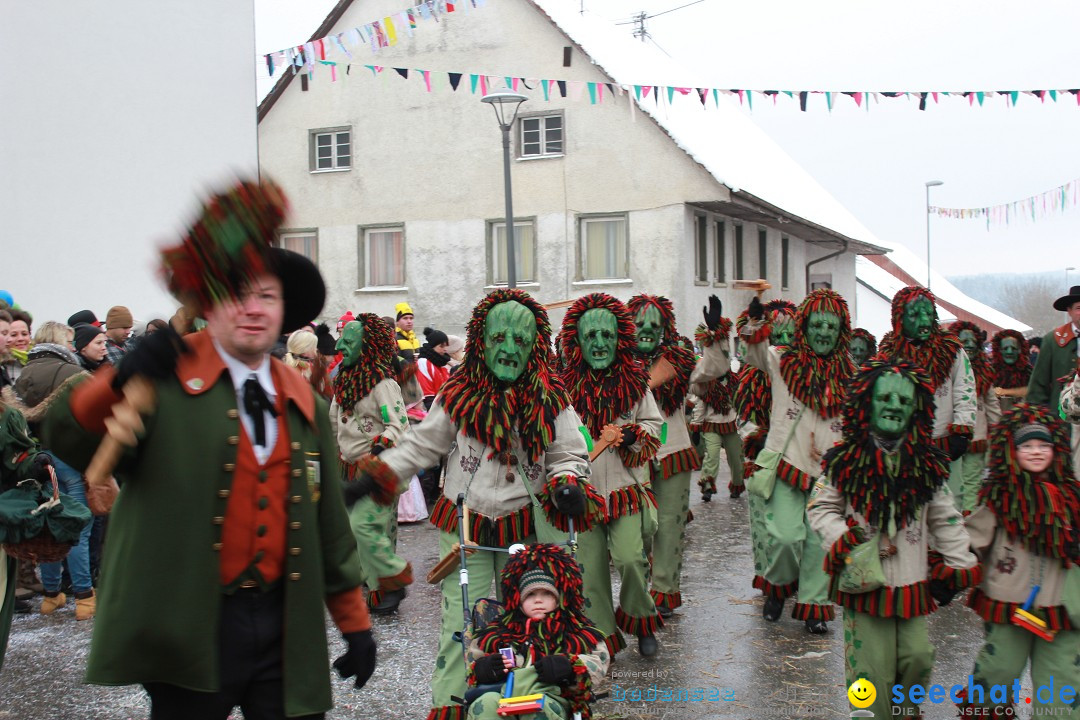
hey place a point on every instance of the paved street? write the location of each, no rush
(717, 640)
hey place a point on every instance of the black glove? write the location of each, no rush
(569, 500)
(359, 659)
(755, 310)
(554, 669)
(629, 436)
(958, 445)
(489, 669)
(154, 357)
(695, 437)
(376, 449)
(714, 313)
(941, 592)
(361, 487)
(39, 468)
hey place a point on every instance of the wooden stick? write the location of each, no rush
(759, 286)
(661, 372)
(138, 398)
(610, 435)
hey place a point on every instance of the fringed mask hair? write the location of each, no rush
(654, 321)
(1042, 511)
(816, 377)
(662, 320)
(863, 345)
(1010, 355)
(375, 357)
(973, 337)
(931, 348)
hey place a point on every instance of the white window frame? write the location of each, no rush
(622, 271)
(308, 242)
(493, 250)
(364, 257)
(336, 157)
(542, 119)
(701, 249)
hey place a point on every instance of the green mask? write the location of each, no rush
(598, 333)
(650, 329)
(783, 333)
(1010, 350)
(509, 336)
(892, 405)
(917, 321)
(823, 332)
(860, 350)
(968, 340)
(351, 343)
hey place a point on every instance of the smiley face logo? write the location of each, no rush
(862, 693)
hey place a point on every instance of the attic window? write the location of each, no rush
(541, 135)
(330, 149)
(566, 56)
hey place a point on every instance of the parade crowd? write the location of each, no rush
(267, 459)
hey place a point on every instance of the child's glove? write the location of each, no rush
(941, 592)
(554, 669)
(489, 669)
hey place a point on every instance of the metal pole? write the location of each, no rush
(511, 255)
(927, 237)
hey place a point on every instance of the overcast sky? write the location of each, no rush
(876, 162)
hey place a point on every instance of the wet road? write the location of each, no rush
(716, 642)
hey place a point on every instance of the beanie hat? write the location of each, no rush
(454, 344)
(84, 316)
(435, 337)
(535, 580)
(324, 340)
(1031, 431)
(119, 317)
(402, 308)
(84, 334)
(345, 320)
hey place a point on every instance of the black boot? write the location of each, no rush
(389, 602)
(647, 645)
(816, 627)
(665, 612)
(773, 609)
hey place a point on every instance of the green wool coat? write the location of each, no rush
(1054, 362)
(160, 591)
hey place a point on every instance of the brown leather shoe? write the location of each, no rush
(49, 605)
(85, 607)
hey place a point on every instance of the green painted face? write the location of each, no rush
(917, 321)
(351, 343)
(650, 328)
(969, 341)
(1010, 350)
(783, 332)
(892, 405)
(823, 332)
(860, 350)
(598, 333)
(509, 336)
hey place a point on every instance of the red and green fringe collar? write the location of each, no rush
(817, 382)
(1038, 512)
(376, 364)
(502, 531)
(753, 396)
(562, 632)
(936, 355)
(1017, 374)
(671, 395)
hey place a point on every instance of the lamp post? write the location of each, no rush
(506, 105)
(929, 184)
(1067, 277)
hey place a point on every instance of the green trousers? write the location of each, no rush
(793, 553)
(484, 570)
(673, 502)
(972, 466)
(731, 444)
(375, 528)
(887, 652)
(1006, 651)
(619, 542)
(956, 482)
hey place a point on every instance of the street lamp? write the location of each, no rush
(929, 184)
(1067, 277)
(506, 105)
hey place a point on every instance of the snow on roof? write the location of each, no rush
(721, 138)
(885, 283)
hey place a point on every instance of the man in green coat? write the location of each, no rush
(1059, 358)
(230, 534)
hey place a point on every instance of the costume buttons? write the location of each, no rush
(297, 472)
(295, 446)
(295, 499)
(219, 520)
(263, 503)
(223, 493)
(294, 525)
(232, 414)
(294, 576)
(229, 467)
(294, 551)
(233, 440)
(217, 547)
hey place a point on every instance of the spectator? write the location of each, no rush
(407, 341)
(432, 367)
(1059, 360)
(5, 326)
(84, 317)
(18, 342)
(90, 346)
(118, 324)
(154, 325)
(455, 348)
(304, 356)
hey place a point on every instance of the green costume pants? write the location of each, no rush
(525, 683)
(887, 651)
(793, 554)
(731, 444)
(1006, 651)
(673, 502)
(484, 569)
(956, 482)
(972, 467)
(620, 540)
(375, 528)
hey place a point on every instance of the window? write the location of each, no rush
(820, 280)
(701, 249)
(720, 240)
(784, 248)
(541, 135)
(738, 254)
(524, 255)
(305, 242)
(330, 149)
(763, 253)
(382, 257)
(603, 248)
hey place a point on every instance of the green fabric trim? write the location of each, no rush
(588, 438)
(663, 434)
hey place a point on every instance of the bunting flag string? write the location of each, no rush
(1036, 207)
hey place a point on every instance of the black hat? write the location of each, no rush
(302, 288)
(84, 316)
(324, 341)
(434, 337)
(84, 334)
(1065, 301)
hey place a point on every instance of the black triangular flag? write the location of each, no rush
(802, 100)
(403, 72)
(562, 87)
(455, 78)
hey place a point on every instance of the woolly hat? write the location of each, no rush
(1031, 431)
(535, 580)
(84, 334)
(119, 317)
(325, 341)
(435, 337)
(402, 308)
(454, 344)
(345, 320)
(84, 316)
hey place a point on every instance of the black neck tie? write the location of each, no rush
(256, 403)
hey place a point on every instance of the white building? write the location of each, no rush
(406, 200)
